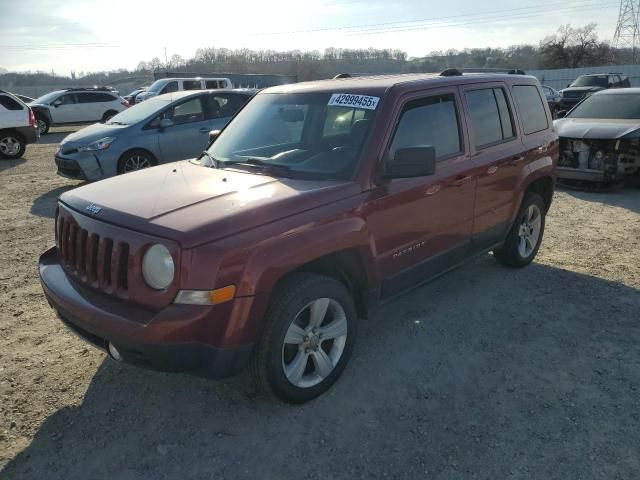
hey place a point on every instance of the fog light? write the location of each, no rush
(114, 353)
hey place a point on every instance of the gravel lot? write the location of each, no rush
(486, 373)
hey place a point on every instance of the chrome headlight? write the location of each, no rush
(101, 144)
(158, 269)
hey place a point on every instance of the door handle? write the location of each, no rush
(460, 180)
(516, 160)
(204, 130)
(543, 148)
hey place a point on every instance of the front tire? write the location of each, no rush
(108, 116)
(524, 238)
(42, 124)
(135, 160)
(12, 145)
(309, 334)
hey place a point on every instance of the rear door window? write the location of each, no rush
(212, 84)
(431, 121)
(531, 109)
(9, 103)
(491, 120)
(191, 85)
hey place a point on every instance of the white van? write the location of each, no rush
(168, 85)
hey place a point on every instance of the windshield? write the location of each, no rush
(156, 86)
(591, 81)
(311, 135)
(621, 106)
(48, 98)
(139, 111)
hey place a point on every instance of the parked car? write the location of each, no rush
(586, 85)
(267, 249)
(131, 98)
(600, 138)
(164, 129)
(17, 126)
(76, 106)
(168, 85)
(24, 98)
(553, 99)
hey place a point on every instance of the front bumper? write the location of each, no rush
(585, 175)
(90, 166)
(177, 338)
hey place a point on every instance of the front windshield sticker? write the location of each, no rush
(348, 100)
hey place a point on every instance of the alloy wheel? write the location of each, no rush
(9, 146)
(529, 231)
(136, 162)
(41, 125)
(314, 342)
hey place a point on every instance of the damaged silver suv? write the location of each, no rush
(600, 138)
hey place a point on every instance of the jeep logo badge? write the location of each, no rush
(93, 208)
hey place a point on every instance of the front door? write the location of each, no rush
(422, 226)
(66, 109)
(189, 134)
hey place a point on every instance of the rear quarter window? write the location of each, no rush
(9, 103)
(533, 116)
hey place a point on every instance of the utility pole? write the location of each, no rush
(166, 62)
(627, 34)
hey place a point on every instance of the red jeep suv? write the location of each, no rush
(316, 203)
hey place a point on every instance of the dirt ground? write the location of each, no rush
(486, 373)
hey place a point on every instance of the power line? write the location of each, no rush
(538, 7)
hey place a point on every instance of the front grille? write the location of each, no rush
(98, 261)
(69, 168)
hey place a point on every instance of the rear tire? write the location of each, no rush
(42, 124)
(135, 160)
(309, 334)
(12, 145)
(524, 238)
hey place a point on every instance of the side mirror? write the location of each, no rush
(165, 123)
(561, 114)
(413, 162)
(213, 134)
(57, 103)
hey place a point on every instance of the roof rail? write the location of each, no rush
(341, 75)
(80, 89)
(450, 72)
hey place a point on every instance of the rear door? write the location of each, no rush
(188, 135)
(497, 153)
(89, 106)
(422, 225)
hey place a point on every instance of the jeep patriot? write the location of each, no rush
(316, 203)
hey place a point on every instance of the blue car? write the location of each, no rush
(163, 129)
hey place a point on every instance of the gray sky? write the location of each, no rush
(90, 35)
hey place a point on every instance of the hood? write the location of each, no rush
(581, 89)
(192, 204)
(595, 128)
(91, 133)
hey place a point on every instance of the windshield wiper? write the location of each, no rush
(215, 161)
(256, 162)
(111, 122)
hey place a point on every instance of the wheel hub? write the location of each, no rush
(311, 342)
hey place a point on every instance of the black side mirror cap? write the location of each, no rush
(412, 162)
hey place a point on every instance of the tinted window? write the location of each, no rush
(226, 105)
(490, 117)
(103, 97)
(211, 84)
(431, 121)
(191, 85)
(591, 81)
(169, 87)
(625, 106)
(9, 103)
(531, 108)
(90, 97)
